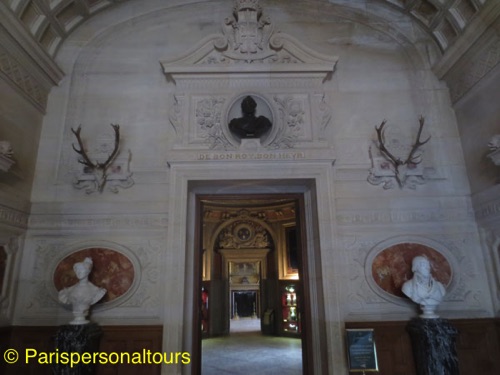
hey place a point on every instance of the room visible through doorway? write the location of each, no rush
(251, 291)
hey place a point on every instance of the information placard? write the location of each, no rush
(361, 350)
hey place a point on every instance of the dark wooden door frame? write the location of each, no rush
(304, 303)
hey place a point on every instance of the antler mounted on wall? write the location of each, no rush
(95, 174)
(402, 170)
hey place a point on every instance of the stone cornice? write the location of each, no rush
(488, 211)
(13, 218)
(473, 34)
(474, 55)
(293, 59)
(473, 68)
(24, 63)
(384, 217)
(22, 73)
(97, 222)
(21, 80)
(29, 47)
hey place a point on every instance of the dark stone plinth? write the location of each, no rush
(433, 343)
(77, 339)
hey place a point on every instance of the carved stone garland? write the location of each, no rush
(208, 117)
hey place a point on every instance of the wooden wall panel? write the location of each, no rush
(393, 347)
(478, 347)
(128, 339)
(40, 339)
(120, 339)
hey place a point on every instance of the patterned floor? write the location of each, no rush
(246, 352)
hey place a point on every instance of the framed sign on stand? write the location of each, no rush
(361, 350)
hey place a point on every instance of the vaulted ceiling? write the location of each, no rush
(32, 32)
(49, 22)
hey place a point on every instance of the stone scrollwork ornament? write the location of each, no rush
(208, 118)
(175, 113)
(324, 113)
(389, 170)
(494, 146)
(6, 153)
(292, 115)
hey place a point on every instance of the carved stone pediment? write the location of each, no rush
(248, 44)
(286, 79)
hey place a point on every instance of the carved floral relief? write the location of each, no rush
(292, 116)
(208, 119)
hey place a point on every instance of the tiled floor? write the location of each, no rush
(247, 352)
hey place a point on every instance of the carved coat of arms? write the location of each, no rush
(248, 31)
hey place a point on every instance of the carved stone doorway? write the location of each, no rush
(191, 181)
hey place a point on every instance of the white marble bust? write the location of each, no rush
(423, 288)
(83, 294)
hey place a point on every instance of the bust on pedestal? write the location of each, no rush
(423, 288)
(433, 339)
(83, 294)
(79, 336)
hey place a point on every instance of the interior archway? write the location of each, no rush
(252, 295)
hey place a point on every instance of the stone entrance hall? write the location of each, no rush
(250, 186)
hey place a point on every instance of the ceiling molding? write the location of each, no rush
(474, 34)
(26, 45)
(36, 29)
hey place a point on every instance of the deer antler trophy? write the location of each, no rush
(98, 169)
(399, 168)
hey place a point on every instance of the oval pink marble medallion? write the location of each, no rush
(392, 266)
(112, 270)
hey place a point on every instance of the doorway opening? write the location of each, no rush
(251, 273)
(244, 304)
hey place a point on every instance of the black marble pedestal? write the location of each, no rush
(76, 339)
(433, 343)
